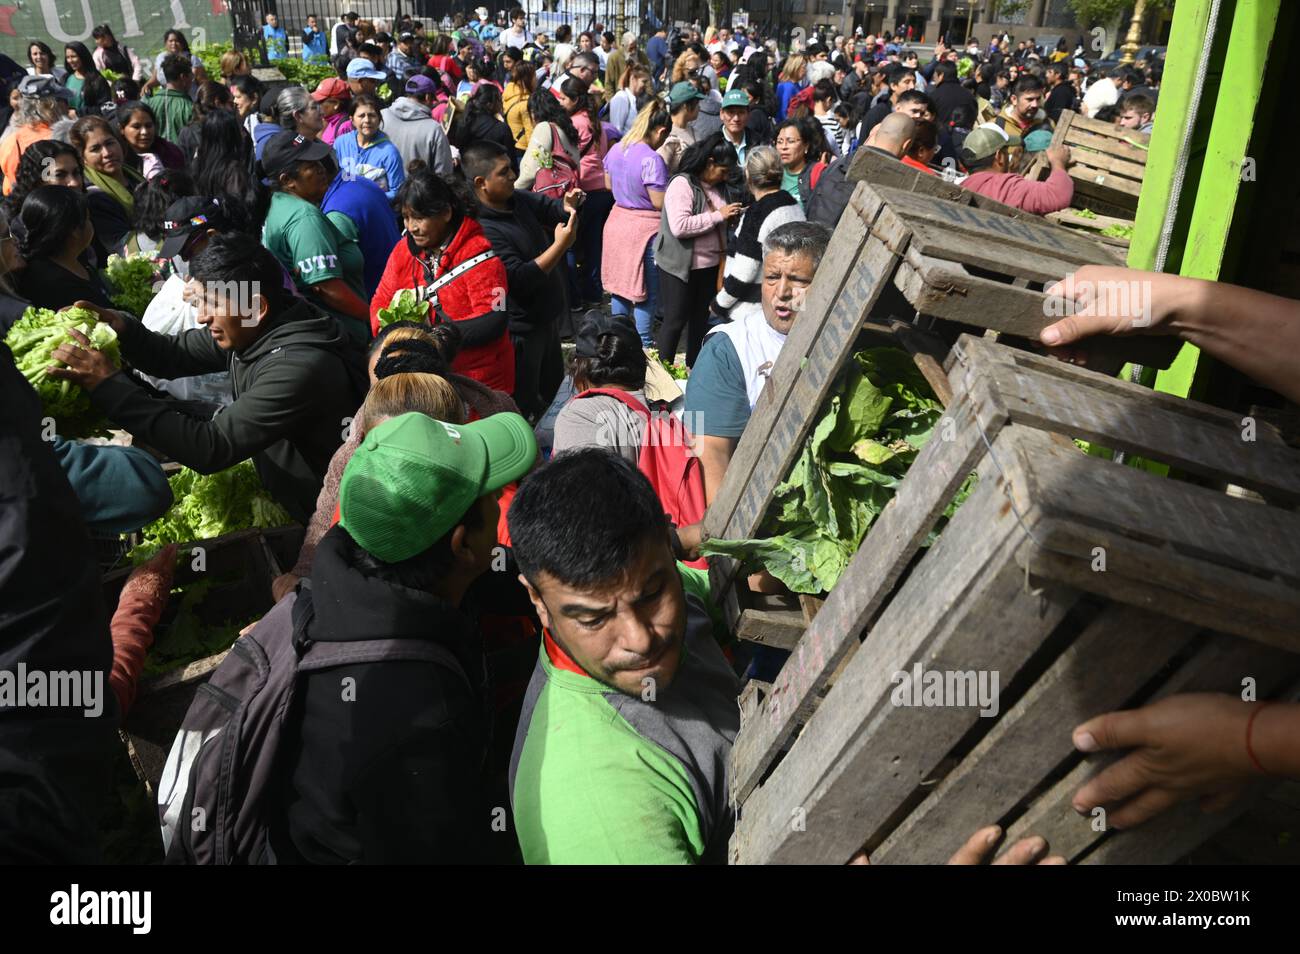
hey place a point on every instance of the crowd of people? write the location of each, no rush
(366, 289)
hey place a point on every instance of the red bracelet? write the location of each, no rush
(1250, 725)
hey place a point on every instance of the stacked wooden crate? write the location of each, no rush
(1084, 585)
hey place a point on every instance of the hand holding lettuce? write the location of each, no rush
(33, 340)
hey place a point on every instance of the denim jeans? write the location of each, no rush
(642, 312)
(583, 258)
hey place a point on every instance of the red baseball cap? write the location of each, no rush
(331, 88)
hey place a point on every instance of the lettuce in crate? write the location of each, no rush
(870, 430)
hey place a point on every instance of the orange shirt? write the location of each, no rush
(11, 150)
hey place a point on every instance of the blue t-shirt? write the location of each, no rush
(717, 403)
(360, 210)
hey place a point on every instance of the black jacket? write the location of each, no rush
(294, 389)
(1060, 98)
(947, 96)
(54, 762)
(484, 127)
(390, 774)
(518, 236)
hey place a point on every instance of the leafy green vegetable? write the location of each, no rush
(33, 340)
(881, 414)
(678, 371)
(1085, 213)
(212, 505)
(188, 638)
(404, 307)
(1118, 231)
(133, 278)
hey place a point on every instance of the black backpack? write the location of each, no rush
(219, 791)
(831, 196)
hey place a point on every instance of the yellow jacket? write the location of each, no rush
(515, 101)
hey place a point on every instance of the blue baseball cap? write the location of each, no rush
(362, 68)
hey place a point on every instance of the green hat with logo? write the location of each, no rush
(735, 97)
(413, 478)
(683, 92)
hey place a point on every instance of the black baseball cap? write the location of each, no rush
(597, 323)
(188, 218)
(285, 148)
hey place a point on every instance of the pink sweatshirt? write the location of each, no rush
(705, 228)
(1050, 195)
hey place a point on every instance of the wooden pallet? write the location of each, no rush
(1199, 590)
(1107, 165)
(932, 261)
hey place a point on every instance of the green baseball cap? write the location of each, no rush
(683, 92)
(984, 141)
(735, 97)
(412, 478)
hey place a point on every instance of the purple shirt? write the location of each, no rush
(634, 173)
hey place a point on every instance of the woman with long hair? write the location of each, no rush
(139, 130)
(89, 90)
(637, 177)
(514, 101)
(48, 162)
(626, 103)
(57, 228)
(174, 41)
(685, 64)
(110, 180)
(245, 96)
(12, 304)
(554, 141)
(789, 83)
(115, 57)
(41, 58)
(584, 257)
(441, 237)
(692, 239)
(42, 102)
(233, 65)
(366, 152)
(483, 121)
(327, 267)
(221, 167)
(211, 97)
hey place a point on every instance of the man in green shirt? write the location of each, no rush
(172, 108)
(622, 748)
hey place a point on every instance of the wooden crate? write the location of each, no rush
(256, 557)
(1198, 590)
(1107, 164)
(939, 264)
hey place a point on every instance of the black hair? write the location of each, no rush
(248, 86)
(125, 89)
(814, 140)
(480, 157)
(176, 65)
(962, 116)
(895, 73)
(616, 362)
(368, 49)
(698, 154)
(185, 43)
(431, 353)
(44, 48)
(154, 196)
(1107, 114)
(947, 70)
(31, 170)
(83, 54)
(101, 31)
(545, 108)
(925, 135)
(428, 194)
(563, 33)
(1028, 84)
(50, 215)
(212, 96)
(231, 257)
(554, 529)
(365, 99)
(915, 96)
(824, 91)
(221, 169)
(485, 101)
(574, 88)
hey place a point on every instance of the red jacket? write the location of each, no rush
(476, 298)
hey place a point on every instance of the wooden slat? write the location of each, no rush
(1030, 234)
(966, 606)
(818, 363)
(1078, 121)
(893, 540)
(934, 242)
(1110, 146)
(1219, 666)
(836, 270)
(1101, 670)
(1193, 437)
(779, 628)
(1096, 180)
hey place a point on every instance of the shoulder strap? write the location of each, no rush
(624, 397)
(431, 290)
(320, 656)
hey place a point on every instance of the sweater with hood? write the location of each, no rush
(293, 389)
(390, 774)
(475, 300)
(410, 125)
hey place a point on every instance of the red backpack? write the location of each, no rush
(668, 461)
(561, 176)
